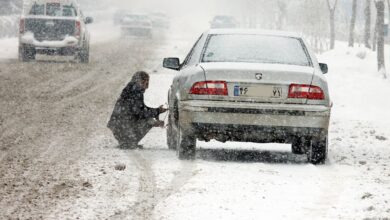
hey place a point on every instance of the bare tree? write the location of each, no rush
(351, 40)
(367, 25)
(380, 23)
(332, 9)
(282, 13)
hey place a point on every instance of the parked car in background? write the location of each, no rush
(54, 27)
(224, 21)
(138, 25)
(249, 86)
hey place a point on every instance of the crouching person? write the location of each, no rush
(131, 119)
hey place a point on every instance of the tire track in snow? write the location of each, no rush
(149, 196)
(331, 187)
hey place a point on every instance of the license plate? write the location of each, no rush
(258, 91)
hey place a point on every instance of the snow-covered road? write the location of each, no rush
(58, 161)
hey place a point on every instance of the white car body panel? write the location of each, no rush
(282, 118)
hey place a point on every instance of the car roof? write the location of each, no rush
(252, 31)
(64, 2)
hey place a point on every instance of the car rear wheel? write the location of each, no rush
(186, 145)
(318, 150)
(298, 146)
(26, 53)
(83, 55)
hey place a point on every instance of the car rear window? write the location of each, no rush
(53, 9)
(37, 9)
(56, 9)
(250, 48)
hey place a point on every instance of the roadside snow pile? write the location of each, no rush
(8, 48)
(9, 26)
(358, 91)
(360, 131)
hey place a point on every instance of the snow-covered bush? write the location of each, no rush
(362, 54)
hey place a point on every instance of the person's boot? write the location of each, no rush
(123, 146)
(130, 146)
(139, 146)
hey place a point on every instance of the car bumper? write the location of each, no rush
(62, 51)
(136, 31)
(69, 41)
(288, 118)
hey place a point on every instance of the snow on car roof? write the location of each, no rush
(74, 2)
(253, 31)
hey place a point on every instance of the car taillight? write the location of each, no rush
(209, 88)
(305, 92)
(21, 25)
(78, 29)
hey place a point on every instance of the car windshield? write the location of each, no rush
(255, 49)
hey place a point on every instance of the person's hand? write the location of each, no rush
(159, 124)
(162, 109)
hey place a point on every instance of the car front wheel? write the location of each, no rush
(172, 135)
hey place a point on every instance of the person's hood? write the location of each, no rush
(136, 87)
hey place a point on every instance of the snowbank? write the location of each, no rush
(8, 48)
(358, 91)
(9, 26)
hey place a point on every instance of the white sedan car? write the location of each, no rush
(249, 86)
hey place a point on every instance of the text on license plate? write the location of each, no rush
(258, 91)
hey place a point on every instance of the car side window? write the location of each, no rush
(37, 9)
(188, 58)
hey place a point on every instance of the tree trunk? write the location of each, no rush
(375, 37)
(367, 26)
(380, 7)
(351, 40)
(282, 6)
(332, 31)
(332, 10)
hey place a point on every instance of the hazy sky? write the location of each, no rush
(191, 14)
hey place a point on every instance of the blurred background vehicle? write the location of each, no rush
(118, 15)
(138, 25)
(223, 21)
(160, 20)
(54, 28)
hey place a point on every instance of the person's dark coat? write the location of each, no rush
(130, 108)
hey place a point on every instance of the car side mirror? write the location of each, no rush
(324, 68)
(88, 20)
(171, 63)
